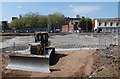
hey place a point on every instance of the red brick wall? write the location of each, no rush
(65, 28)
(93, 25)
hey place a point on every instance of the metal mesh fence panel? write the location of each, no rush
(109, 44)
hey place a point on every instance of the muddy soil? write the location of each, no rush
(106, 66)
(4, 38)
(77, 63)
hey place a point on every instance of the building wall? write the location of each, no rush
(65, 28)
(5, 25)
(71, 21)
(96, 24)
(13, 18)
(107, 25)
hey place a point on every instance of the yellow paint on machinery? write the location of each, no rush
(39, 52)
(42, 37)
(36, 48)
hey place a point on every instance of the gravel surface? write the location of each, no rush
(60, 41)
(82, 41)
(19, 41)
(68, 65)
(16, 43)
(73, 41)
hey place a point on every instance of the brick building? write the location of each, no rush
(70, 24)
(65, 28)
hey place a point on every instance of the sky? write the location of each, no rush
(69, 9)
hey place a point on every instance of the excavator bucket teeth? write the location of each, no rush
(29, 63)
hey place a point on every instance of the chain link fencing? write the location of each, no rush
(109, 45)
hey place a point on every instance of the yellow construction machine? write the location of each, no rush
(39, 57)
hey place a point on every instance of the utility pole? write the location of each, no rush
(68, 24)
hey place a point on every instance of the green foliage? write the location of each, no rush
(14, 24)
(31, 20)
(42, 21)
(56, 19)
(85, 24)
(0, 26)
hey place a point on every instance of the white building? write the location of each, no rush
(107, 25)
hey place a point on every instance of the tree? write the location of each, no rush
(42, 21)
(29, 20)
(15, 24)
(0, 26)
(56, 20)
(85, 24)
(33, 20)
(88, 24)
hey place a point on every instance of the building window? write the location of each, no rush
(111, 24)
(105, 23)
(99, 24)
(117, 24)
(72, 23)
(76, 23)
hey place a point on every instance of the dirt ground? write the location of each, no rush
(107, 66)
(77, 63)
(72, 64)
(4, 38)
